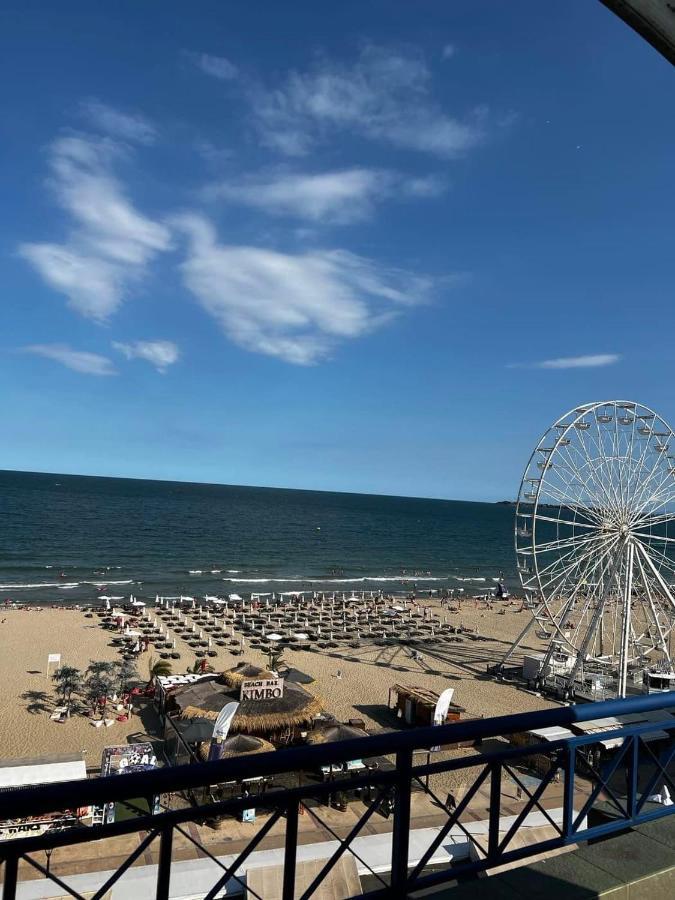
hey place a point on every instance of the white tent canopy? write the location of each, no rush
(42, 770)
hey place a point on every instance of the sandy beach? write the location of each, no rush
(27, 695)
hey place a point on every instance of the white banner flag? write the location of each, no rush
(224, 720)
(441, 711)
(54, 658)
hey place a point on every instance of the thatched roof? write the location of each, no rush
(244, 671)
(240, 744)
(297, 707)
(337, 732)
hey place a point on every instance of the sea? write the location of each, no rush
(70, 539)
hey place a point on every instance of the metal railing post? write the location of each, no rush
(400, 839)
(164, 867)
(10, 876)
(568, 798)
(495, 810)
(290, 851)
(632, 773)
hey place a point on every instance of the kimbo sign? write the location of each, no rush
(262, 689)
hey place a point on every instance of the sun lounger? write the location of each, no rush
(96, 722)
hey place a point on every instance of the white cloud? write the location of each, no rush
(124, 125)
(77, 360)
(448, 51)
(384, 96)
(592, 361)
(294, 307)
(110, 243)
(216, 66)
(339, 197)
(161, 354)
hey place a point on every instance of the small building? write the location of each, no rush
(539, 762)
(15, 773)
(417, 705)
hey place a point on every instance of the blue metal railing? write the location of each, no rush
(622, 782)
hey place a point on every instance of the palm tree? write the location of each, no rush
(100, 680)
(275, 658)
(202, 667)
(102, 670)
(157, 668)
(96, 690)
(126, 673)
(68, 680)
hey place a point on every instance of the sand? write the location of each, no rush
(27, 694)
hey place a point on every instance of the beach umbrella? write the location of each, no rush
(274, 637)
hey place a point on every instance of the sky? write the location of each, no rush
(371, 246)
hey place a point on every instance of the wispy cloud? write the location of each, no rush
(109, 244)
(383, 96)
(448, 51)
(294, 307)
(160, 354)
(340, 197)
(216, 66)
(77, 360)
(592, 361)
(123, 125)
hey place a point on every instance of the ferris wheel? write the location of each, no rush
(593, 548)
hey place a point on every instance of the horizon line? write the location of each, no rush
(260, 487)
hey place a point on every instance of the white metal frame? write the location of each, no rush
(592, 539)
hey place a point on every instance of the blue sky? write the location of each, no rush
(364, 246)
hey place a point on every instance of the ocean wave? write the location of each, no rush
(468, 578)
(294, 579)
(40, 584)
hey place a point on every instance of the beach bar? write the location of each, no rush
(416, 705)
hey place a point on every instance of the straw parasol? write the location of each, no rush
(244, 672)
(338, 732)
(297, 707)
(241, 745)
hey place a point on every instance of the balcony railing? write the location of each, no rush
(602, 790)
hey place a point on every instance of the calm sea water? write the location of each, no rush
(66, 538)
